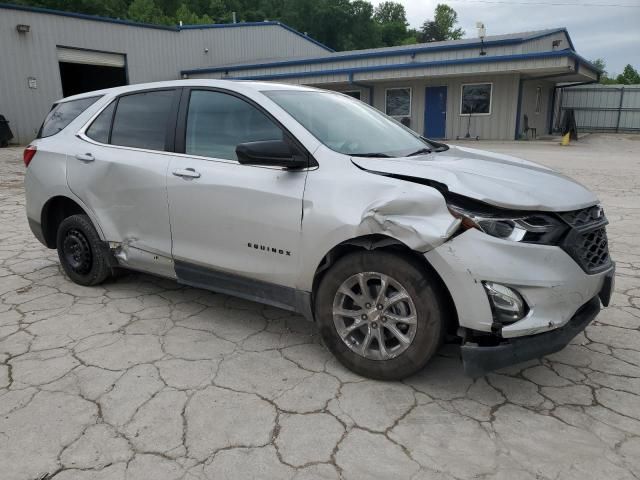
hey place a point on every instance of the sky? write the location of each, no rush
(611, 33)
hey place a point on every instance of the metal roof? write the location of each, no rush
(171, 28)
(490, 41)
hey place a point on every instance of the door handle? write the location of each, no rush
(85, 157)
(186, 173)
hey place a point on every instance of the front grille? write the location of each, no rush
(586, 242)
(586, 216)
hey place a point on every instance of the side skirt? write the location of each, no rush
(287, 298)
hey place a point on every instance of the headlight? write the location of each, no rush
(528, 227)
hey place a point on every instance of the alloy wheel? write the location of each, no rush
(374, 315)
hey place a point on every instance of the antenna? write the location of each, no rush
(482, 32)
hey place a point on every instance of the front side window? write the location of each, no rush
(398, 102)
(476, 99)
(141, 120)
(218, 122)
(62, 114)
(346, 125)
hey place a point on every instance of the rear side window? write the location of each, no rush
(141, 120)
(218, 122)
(101, 126)
(62, 114)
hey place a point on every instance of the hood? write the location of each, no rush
(496, 179)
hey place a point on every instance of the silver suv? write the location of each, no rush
(317, 203)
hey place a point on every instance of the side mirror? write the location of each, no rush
(275, 153)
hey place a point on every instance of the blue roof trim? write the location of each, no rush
(378, 68)
(584, 61)
(172, 28)
(373, 54)
(306, 37)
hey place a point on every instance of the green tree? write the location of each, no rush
(146, 11)
(340, 24)
(629, 76)
(391, 19)
(362, 31)
(442, 27)
(601, 65)
(187, 17)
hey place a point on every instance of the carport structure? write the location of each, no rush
(497, 87)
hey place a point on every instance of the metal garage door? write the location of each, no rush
(90, 57)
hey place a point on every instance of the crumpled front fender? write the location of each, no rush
(343, 202)
(414, 218)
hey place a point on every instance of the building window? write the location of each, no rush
(538, 99)
(353, 93)
(398, 102)
(476, 99)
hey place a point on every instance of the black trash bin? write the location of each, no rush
(5, 132)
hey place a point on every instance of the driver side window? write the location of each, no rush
(217, 122)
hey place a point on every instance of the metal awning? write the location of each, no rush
(90, 57)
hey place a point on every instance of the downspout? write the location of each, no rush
(362, 85)
(552, 109)
(519, 108)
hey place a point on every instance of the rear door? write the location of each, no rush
(239, 220)
(118, 168)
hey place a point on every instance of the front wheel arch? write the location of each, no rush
(385, 243)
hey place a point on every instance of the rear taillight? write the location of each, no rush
(28, 154)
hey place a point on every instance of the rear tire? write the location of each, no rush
(82, 254)
(407, 318)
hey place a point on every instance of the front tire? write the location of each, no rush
(380, 314)
(82, 254)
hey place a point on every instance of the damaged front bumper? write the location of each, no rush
(561, 297)
(478, 360)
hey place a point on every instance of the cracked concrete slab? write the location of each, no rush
(144, 378)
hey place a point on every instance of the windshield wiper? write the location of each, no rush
(422, 151)
(373, 155)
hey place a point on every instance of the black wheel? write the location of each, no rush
(380, 314)
(82, 254)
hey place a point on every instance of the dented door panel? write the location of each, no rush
(126, 190)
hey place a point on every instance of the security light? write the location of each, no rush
(23, 28)
(482, 32)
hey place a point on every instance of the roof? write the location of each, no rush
(171, 28)
(236, 85)
(490, 41)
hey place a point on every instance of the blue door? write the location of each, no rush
(435, 112)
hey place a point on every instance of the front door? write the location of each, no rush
(230, 220)
(435, 112)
